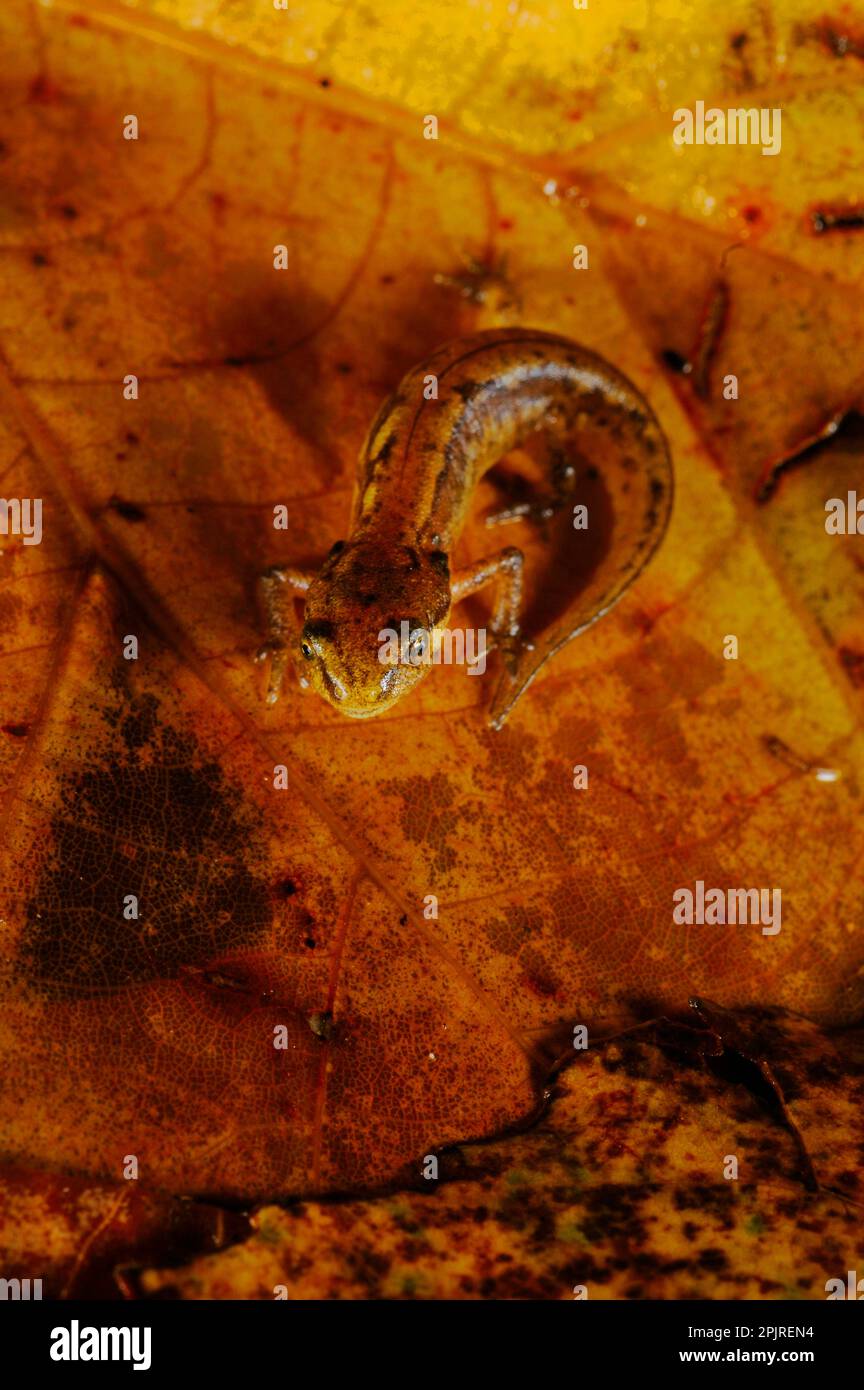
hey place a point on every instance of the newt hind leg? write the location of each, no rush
(541, 508)
(277, 588)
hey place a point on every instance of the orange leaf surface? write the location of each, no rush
(304, 908)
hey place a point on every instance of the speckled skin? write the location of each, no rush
(417, 474)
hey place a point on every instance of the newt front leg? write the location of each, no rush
(504, 569)
(276, 589)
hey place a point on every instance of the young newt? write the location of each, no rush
(417, 472)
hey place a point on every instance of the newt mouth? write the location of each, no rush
(339, 698)
(368, 713)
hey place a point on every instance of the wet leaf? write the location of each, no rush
(622, 1190)
(77, 1236)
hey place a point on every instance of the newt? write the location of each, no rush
(418, 469)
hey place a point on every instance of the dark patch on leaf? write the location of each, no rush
(127, 510)
(156, 819)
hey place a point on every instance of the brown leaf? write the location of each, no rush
(622, 1188)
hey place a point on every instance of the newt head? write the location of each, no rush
(370, 615)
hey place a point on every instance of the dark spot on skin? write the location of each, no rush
(127, 510)
(675, 362)
(385, 450)
(68, 211)
(321, 629)
(151, 814)
(310, 942)
(442, 477)
(367, 599)
(403, 920)
(413, 557)
(751, 214)
(467, 389)
(737, 41)
(16, 730)
(287, 888)
(325, 82)
(131, 437)
(344, 368)
(439, 559)
(232, 361)
(38, 259)
(336, 549)
(658, 487)
(386, 279)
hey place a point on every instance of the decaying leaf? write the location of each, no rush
(624, 1189)
(170, 910)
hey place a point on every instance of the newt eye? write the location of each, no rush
(417, 644)
(318, 629)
